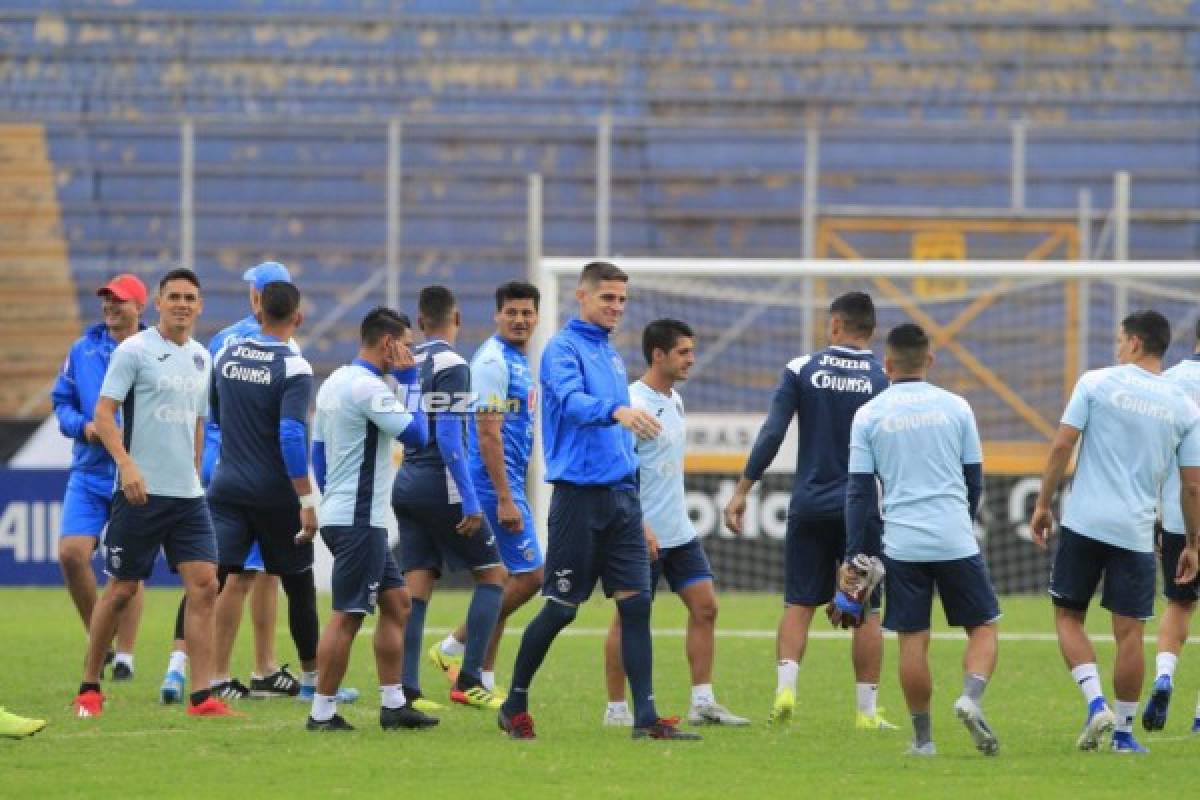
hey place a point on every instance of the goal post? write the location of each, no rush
(1010, 336)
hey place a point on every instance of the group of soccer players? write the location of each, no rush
(888, 482)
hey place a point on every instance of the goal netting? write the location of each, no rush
(1010, 336)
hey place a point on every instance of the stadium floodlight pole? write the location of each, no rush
(394, 176)
(603, 184)
(545, 281)
(1017, 168)
(187, 211)
(808, 249)
(1121, 191)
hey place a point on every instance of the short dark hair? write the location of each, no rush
(435, 304)
(279, 301)
(1152, 328)
(857, 310)
(598, 271)
(663, 334)
(517, 290)
(179, 274)
(381, 321)
(908, 345)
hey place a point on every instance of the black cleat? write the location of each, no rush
(406, 717)
(280, 683)
(518, 726)
(665, 729)
(232, 689)
(333, 724)
(122, 672)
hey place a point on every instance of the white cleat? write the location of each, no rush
(971, 715)
(926, 749)
(618, 719)
(714, 714)
(1100, 724)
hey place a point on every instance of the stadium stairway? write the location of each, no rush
(39, 314)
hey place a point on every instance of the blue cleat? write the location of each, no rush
(1196, 725)
(1154, 717)
(1100, 723)
(1123, 742)
(346, 696)
(171, 690)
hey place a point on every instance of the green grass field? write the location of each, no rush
(141, 749)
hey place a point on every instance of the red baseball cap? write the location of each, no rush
(125, 287)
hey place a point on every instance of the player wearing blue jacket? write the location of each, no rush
(595, 523)
(86, 504)
(821, 391)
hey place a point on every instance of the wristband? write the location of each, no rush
(308, 501)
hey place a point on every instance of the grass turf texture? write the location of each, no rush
(141, 749)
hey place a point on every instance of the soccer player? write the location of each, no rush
(357, 418)
(159, 379)
(267, 680)
(437, 511)
(822, 391)
(923, 445)
(1131, 421)
(13, 726)
(669, 347)
(88, 498)
(1181, 598)
(498, 449)
(260, 493)
(595, 522)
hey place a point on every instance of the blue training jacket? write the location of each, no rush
(75, 394)
(583, 382)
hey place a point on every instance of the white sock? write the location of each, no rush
(787, 672)
(178, 662)
(1125, 716)
(619, 707)
(452, 647)
(324, 707)
(125, 658)
(702, 695)
(308, 678)
(1198, 705)
(488, 678)
(867, 695)
(393, 696)
(1165, 663)
(1087, 676)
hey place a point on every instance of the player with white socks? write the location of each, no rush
(1136, 425)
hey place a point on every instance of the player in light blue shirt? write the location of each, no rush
(922, 444)
(1181, 598)
(499, 444)
(676, 553)
(1133, 422)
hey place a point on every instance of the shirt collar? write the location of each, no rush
(588, 330)
(367, 365)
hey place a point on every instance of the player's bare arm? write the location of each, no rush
(133, 486)
(1042, 522)
(1189, 498)
(488, 425)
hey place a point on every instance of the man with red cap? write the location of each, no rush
(89, 492)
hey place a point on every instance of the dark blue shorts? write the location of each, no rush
(963, 584)
(180, 526)
(520, 552)
(814, 550)
(428, 539)
(86, 505)
(363, 567)
(681, 566)
(239, 528)
(1172, 546)
(1079, 564)
(595, 533)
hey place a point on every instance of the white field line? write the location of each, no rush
(953, 636)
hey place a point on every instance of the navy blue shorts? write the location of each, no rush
(813, 551)
(1172, 546)
(363, 567)
(963, 585)
(274, 530)
(86, 505)
(428, 539)
(180, 526)
(595, 533)
(1079, 564)
(520, 552)
(681, 566)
